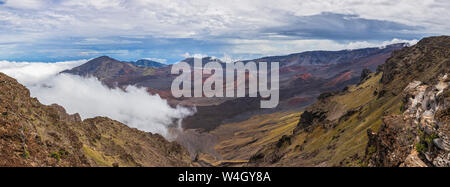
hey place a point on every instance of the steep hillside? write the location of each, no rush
(239, 141)
(232, 144)
(32, 134)
(420, 136)
(333, 131)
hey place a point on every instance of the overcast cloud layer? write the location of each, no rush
(135, 107)
(52, 30)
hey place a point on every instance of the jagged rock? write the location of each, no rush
(442, 160)
(365, 75)
(392, 144)
(326, 95)
(64, 116)
(423, 117)
(439, 144)
(284, 140)
(413, 160)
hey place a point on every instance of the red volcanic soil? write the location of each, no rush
(375, 61)
(305, 76)
(290, 69)
(296, 101)
(341, 78)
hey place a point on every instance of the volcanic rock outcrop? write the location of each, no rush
(420, 136)
(398, 116)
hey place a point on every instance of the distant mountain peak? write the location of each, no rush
(190, 60)
(148, 63)
(103, 58)
(103, 67)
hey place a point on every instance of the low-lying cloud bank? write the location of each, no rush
(89, 97)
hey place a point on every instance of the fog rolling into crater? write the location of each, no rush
(90, 98)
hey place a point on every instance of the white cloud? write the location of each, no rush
(197, 55)
(30, 73)
(280, 47)
(89, 98)
(95, 22)
(97, 41)
(25, 4)
(160, 60)
(205, 18)
(229, 58)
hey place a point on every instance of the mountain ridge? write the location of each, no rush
(147, 63)
(333, 131)
(32, 134)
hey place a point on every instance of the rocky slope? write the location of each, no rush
(239, 141)
(32, 134)
(405, 102)
(421, 135)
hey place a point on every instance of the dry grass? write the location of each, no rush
(239, 141)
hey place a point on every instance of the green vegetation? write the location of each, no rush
(354, 139)
(25, 154)
(343, 141)
(421, 147)
(58, 154)
(97, 157)
(371, 150)
(241, 140)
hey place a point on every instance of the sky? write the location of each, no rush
(169, 31)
